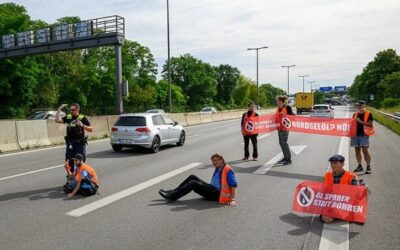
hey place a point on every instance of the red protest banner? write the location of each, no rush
(268, 123)
(260, 124)
(345, 202)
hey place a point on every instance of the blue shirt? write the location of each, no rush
(216, 178)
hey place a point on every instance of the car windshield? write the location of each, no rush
(320, 107)
(131, 121)
(206, 109)
(38, 116)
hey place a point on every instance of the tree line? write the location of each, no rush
(379, 82)
(88, 77)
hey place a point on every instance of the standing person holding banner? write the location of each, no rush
(248, 137)
(284, 109)
(365, 129)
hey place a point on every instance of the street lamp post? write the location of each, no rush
(311, 83)
(304, 76)
(288, 67)
(168, 63)
(257, 49)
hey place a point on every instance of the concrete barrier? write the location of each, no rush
(236, 113)
(100, 127)
(56, 132)
(8, 136)
(217, 117)
(32, 134)
(111, 119)
(226, 115)
(193, 118)
(206, 118)
(178, 117)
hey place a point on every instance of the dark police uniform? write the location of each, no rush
(75, 140)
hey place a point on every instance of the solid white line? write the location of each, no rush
(129, 191)
(43, 149)
(335, 236)
(30, 172)
(192, 136)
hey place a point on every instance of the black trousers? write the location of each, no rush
(253, 139)
(74, 147)
(194, 183)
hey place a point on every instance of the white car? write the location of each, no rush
(45, 115)
(208, 110)
(322, 111)
(148, 130)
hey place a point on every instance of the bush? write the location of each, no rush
(390, 102)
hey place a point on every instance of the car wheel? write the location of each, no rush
(155, 146)
(116, 148)
(182, 139)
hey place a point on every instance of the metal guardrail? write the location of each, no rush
(395, 117)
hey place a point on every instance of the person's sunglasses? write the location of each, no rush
(73, 110)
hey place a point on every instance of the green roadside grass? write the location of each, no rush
(386, 121)
(391, 110)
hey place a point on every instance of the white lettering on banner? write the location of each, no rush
(327, 200)
(321, 126)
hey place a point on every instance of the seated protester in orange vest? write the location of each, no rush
(83, 180)
(222, 187)
(365, 128)
(248, 137)
(338, 176)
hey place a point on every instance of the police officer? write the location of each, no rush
(75, 139)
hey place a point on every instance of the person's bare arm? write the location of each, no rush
(76, 189)
(85, 127)
(58, 119)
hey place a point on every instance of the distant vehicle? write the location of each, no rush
(208, 110)
(148, 130)
(45, 115)
(158, 111)
(322, 111)
(304, 102)
(332, 101)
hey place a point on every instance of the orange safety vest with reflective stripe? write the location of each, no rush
(226, 191)
(367, 130)
(346, 179)
(88, 169)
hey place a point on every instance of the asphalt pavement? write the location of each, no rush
(36, 215)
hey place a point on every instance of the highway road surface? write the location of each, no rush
(129, 214)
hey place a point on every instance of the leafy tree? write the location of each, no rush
(391, 85)
(178, 98)
(227, 79)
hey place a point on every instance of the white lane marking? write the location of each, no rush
(297, 149)
(30, 172)
(268, 165)
(192, 136)
(129, 191)
(233, 127)
(43, 149)
(335, 236)
(260, 137)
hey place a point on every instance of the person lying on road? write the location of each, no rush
(222, 187)
(83, 180)
(338, 176)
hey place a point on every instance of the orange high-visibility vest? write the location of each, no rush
(284, 110)
(346, 179)
(253, 114)
(367, 130)
(88, 169)
(226, 191)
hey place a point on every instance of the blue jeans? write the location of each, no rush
(360, 141)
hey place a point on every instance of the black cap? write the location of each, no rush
(336, 158)
(361, 102)
(78, 157)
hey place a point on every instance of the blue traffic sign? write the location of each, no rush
(340, 88)
(325, 89)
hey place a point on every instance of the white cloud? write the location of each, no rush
(329, 40)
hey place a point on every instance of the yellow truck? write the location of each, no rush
(304, 102)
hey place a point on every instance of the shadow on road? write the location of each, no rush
(45, 193)
(126, 152)
(182, 205)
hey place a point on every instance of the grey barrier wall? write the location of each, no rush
(16, 135)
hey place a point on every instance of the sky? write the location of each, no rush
(329, 40)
